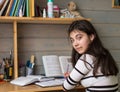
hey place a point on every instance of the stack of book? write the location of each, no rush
(17, 8)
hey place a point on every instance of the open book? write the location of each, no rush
(55, 82)
(22, 81)
(56, 66)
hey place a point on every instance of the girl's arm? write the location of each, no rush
(80, 70)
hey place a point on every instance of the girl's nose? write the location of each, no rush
(75, 43)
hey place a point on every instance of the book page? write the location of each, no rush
(52, 66)
(65, 63)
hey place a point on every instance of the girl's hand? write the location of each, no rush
(66, 74)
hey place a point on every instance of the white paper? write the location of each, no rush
(52, 65)
(65, 63)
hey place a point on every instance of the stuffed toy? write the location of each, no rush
(71, 11)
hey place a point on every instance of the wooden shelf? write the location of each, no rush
(39, 20)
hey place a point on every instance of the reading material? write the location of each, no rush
(22, 81)
(56, 66)
(50, 83)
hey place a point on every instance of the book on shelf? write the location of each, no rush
(13, 7)
(4, 7)
(19, 6)
(25, 80)
(2, 3)
(32, 9)
(9, 8)
(16, 7)
(23, 7)
(27, 7)
(56, 66)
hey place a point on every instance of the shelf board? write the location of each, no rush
(39, 20)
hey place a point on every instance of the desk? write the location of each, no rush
(7, 87)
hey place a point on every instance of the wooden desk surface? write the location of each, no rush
(7, 87)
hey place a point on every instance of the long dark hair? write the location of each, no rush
(104, 59)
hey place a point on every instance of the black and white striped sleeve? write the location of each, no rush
(81, 69)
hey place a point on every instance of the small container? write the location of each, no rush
(2, 71)
(56, 11)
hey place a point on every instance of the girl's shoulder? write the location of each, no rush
(88, 58)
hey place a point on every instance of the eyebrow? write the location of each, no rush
(78, 35)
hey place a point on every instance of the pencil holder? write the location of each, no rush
(1, 73)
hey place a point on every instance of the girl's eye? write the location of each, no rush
(71, 40)
(79, 37)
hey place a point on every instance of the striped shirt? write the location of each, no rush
(83, 74)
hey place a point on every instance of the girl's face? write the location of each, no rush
(80, 40)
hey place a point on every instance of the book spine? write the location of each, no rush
(9, 7)
(13, 6)
(19, 7)
(33, 8)
(16, 7)
(4, 6)
(2, 2)
(27, 8)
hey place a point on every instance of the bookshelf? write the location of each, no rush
(115, 3)
(28, 20)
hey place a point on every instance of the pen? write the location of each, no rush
(66, 74)
(67, 68)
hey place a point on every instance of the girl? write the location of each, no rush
(94, 67)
